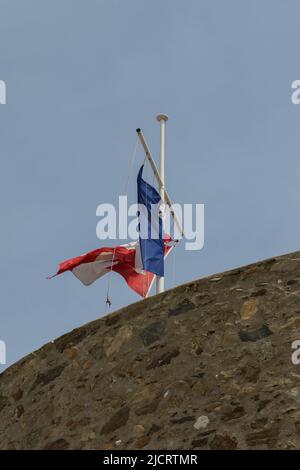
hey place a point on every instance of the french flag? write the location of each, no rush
(137, 262)
(123, 259)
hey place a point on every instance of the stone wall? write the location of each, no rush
(204, 366)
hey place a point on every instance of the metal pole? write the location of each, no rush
(162, 119)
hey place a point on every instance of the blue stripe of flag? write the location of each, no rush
(152, 249)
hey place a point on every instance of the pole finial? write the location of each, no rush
(162, 117)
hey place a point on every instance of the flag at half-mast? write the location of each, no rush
(137, 262)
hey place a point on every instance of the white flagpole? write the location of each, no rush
(162, 119)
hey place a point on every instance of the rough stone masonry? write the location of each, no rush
(204, 366)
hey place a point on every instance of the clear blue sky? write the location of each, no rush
(81, 76)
